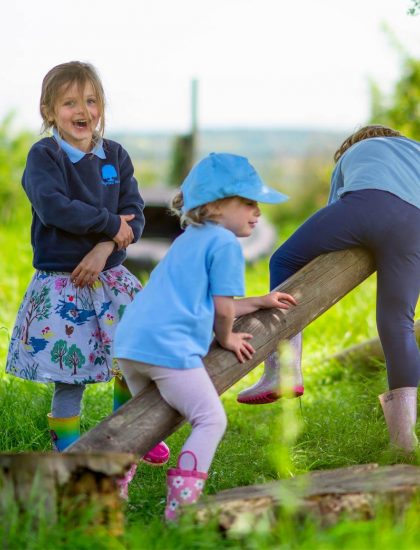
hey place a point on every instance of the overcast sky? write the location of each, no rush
(274, 63)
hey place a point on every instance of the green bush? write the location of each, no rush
(307, 194)
(401, 108)
(14, 148)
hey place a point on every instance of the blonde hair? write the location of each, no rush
(374, 130)
(65, 75)
(195, 216)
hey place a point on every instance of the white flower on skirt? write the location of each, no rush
(185, 493)
(173, 505)
(178, 482)
(199, 484)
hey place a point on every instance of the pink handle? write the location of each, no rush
(189, 453)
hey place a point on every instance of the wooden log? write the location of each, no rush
(67, 484)
(356, 492)
(147, 419)
(368, 352)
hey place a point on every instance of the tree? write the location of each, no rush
(415, 7)
(74, 359)
(401, 108)
(14, 148)
(39, 308)
(58, 352)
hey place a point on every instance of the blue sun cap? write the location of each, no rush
(222, 175)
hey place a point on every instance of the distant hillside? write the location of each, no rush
(254, 143)
(270, 144)
(268, 149)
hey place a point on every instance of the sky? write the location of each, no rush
(259, 63)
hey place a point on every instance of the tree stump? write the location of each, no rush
(73, 484)
(356, 492)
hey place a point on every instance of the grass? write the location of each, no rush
(337, 423)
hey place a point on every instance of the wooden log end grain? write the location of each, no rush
(76, 485)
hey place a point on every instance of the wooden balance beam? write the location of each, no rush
(146, 419)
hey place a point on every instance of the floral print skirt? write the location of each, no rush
(65, 334)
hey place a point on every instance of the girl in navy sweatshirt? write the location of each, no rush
(86, 210)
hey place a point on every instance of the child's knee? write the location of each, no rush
(219, 420)
(213, 418)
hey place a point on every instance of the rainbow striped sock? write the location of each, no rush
(63, 431)
(121, 392)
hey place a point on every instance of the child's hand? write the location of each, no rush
(238, 343)
(125, 234)
(86, 273)
(277, 299)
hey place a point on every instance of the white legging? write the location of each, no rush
(192, 394)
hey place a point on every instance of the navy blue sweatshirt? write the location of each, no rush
(77, 205)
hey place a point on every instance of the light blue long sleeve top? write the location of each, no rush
(387, 163)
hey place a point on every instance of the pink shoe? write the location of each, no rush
(262, 398)
(125, 482)
(267, 389)
(184, 487)
(158, 456)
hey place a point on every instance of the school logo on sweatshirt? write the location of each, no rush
(109, 175)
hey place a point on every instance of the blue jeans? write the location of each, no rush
(390, 229)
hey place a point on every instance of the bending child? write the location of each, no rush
(86, 210)
(374, 203)
(167, 330)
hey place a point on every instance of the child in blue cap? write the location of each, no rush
(166, 331)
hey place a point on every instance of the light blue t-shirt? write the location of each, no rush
(170, 322)
(387, 163)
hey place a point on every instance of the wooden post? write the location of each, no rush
(147, 419)
(185, 146)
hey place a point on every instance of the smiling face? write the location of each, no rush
(77, 115)
(237, 214)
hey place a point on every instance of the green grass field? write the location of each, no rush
(338, 422)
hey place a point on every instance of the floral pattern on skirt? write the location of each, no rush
(65, 334)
